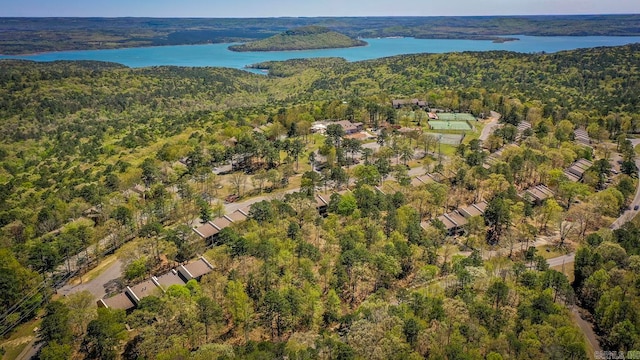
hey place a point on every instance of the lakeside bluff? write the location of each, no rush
(303, 38)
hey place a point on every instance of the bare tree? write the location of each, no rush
(239, 182)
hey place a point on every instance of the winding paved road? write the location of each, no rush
(489, 126)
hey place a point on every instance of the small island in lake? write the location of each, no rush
(303, 38)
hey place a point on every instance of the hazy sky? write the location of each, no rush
(310, 8)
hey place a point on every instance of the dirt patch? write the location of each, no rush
(19, 341)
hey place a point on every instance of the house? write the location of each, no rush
(210, 229)
(582, 137)
(221, 222)
(472, 210)
(207, 231)
(576, 171)
(131, 297)
(237, 216)
(537, 194)
(349, 127)
(455, 221)
(522, 127)
(425, 179)
(322, 202)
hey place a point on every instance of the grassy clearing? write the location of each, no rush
(21, 337)
(550, 251)
(471, 135)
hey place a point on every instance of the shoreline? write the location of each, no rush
(496, 39)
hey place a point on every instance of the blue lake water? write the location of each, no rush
(218, 55)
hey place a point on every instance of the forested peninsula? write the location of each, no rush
(331, 218)
(304, 38)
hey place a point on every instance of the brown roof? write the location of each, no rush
(322, 199)
(348, 126)
(415, 181)
(482, 206)
(120, 301)
(457, 218)
(245, 209)
(221, 223)
(447, 223)
(470, 211)
(206, 231)
(427, 178)
(236, 216)
(571, 176)
(199, 268)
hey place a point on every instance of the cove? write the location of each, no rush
(218, 55)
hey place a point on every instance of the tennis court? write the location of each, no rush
(455, 117)
(449, 125)
(449, 139)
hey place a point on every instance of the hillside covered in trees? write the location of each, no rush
(97, 153)
(304, 38)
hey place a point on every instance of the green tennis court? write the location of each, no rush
(455, 117)
(449, 125)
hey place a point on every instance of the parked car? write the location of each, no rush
(231, 198)
(636, 207)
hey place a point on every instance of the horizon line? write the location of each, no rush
(304, 17)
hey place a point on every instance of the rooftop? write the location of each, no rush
(221, 223)
(170, 278)
(206, 231)
(120, 301)
(199, 267)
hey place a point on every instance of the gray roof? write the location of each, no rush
(539, 192)
(145, 289)
(170, 278)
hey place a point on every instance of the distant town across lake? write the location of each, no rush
(218, 55)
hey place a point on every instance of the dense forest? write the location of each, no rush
(30, 35)
(377, 276)
(304, 38)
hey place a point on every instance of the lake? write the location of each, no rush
(218, 55)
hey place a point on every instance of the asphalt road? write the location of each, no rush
(490, 126)
(99, 286)
(565, 259)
